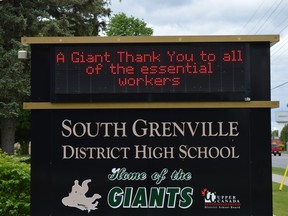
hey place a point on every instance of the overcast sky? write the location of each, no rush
(221, 17)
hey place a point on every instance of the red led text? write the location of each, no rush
(152, 68)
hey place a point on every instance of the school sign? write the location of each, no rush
(151, 125)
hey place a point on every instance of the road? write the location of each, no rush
(280, 161)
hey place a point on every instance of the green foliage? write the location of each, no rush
(16, 20)
(74, 17)
(14, 82)
(14, 186)
(275, 133)
(284, 135)
(121, 25)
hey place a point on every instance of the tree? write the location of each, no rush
(284, 135)
(121, 25)
(75, 17)
(14, 88)
(275, 133)
(36, 18)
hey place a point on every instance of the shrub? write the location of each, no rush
(14, 185)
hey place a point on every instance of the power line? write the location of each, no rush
(259, 19)
(283, 21)
(272, 12)
(280, 85)
(252, 17)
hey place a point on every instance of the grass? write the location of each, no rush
(280, 207)
(278, 171)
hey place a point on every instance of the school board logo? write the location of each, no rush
(209, 197)
(213, 200)
(78, 199)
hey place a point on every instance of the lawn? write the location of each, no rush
(278, 171)
(280, 198)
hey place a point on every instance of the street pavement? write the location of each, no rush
(278, 179)
(280, 161)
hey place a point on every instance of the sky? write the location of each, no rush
(221, 17)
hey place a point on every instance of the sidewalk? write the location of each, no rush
(278, 179)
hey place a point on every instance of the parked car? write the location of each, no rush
(275, 149)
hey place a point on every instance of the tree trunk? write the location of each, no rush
(8, 135)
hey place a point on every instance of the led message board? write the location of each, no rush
(168, 68)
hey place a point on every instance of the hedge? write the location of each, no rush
(14, 185)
